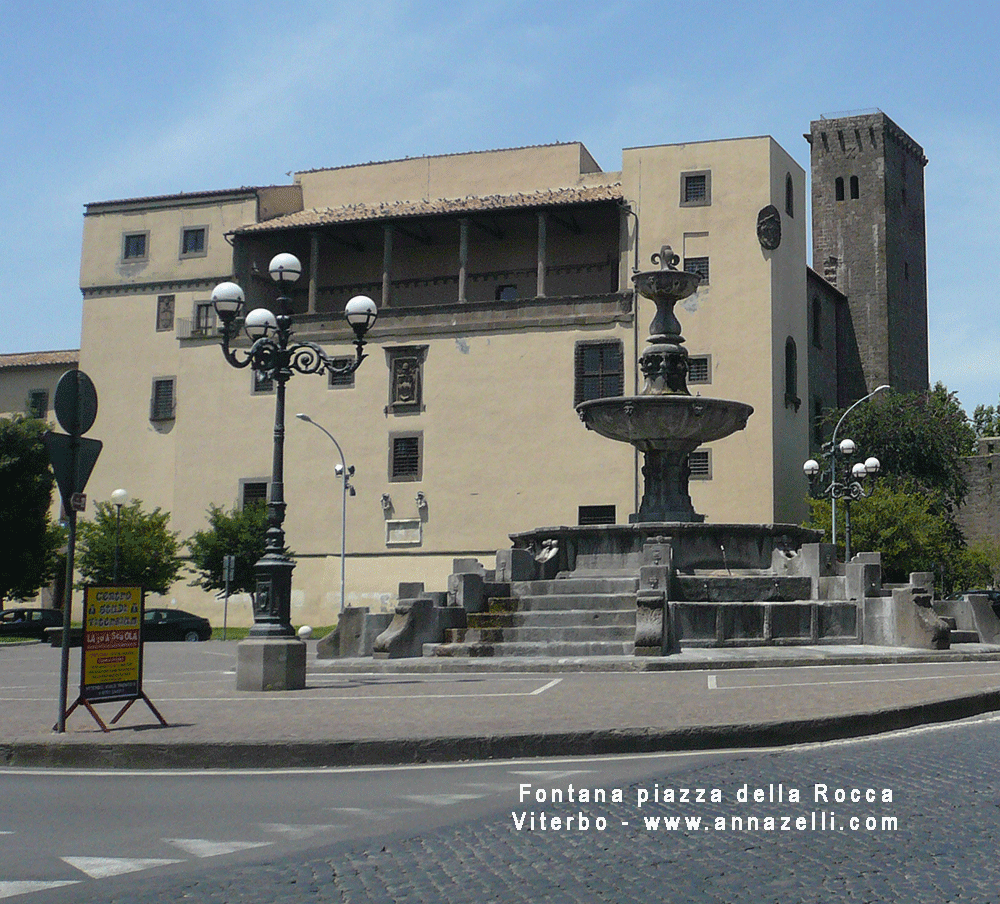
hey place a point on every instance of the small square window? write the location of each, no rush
(134, 246)
(700, 464)
(341, 380)
(162, 404)
(696, 189)
(253, 492)
(700, 369)
(193, 241)
(405, 456)
(262, 382)
(164, 313)
(595, 514)
(697, 265)
(38, 403)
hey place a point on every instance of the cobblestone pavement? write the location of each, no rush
(945, 796)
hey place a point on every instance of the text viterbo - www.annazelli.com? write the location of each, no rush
(814, 812)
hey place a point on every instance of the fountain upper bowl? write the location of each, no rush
(664, 423)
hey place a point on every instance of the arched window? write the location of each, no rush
(839, 188)
(855, 188)
(789, 195)
(792, 399)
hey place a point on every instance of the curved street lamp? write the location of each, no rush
(833, 458)
(850, 488)
(275, 356)
(345, 472)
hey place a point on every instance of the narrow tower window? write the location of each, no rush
(838, 188)
(855, 188)
(789, 195)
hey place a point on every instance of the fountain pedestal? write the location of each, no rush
(665, 422)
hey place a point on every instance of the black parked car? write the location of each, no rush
(174, 624)
(29, 622)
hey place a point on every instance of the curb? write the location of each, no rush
(371, 752)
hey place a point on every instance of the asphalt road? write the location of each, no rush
(463, 833)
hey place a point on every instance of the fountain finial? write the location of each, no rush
(666, 258)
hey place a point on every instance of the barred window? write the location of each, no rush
(253, 492)
(599, 370)
(263, 382)
(696, 189)
(596, 514)
(38, 403)
(193, 242)
(700, 369)
(341, 381)
(405, 458)
(697, 265)
(134, 245)
(162, 402)
(700, 464)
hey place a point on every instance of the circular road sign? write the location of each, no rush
(75, 402)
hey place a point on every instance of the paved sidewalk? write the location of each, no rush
(366, 712)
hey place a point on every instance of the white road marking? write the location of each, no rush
(545, 687)
(711, 682)
(203, 847)
(297, 833)
(103, 867)
(441, 800)
(549, 775)
(10, 889)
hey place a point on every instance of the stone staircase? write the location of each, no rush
(569, 616)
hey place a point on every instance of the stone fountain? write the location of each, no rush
(665, 422)
(668, 578)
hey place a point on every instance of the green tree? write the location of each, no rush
(28, 537)
(986, 420)
(241, 532)
(920, 440)
(148, 554)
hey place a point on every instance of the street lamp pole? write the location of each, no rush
(119, 497)
(274, 356)
(851, 488)
(833, 459)
(345, 473)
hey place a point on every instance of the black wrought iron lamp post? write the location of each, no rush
(850, 487)
(273, 355)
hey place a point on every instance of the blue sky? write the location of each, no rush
(108, 100)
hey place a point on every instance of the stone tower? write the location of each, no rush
(869, 241)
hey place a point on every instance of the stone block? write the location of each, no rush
(466, 591)
(515, 565)
(271, 664)
(410, 590)
(468, 566)
(863, 579)
(415, 623)
(904, 620)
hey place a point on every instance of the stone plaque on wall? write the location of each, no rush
(406, 383)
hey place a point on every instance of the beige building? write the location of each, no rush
(503, 280)
(28, 382)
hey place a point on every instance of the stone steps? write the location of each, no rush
(527, 648)
(584, 616)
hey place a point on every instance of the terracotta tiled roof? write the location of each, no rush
(40, 359)
(357, 213)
